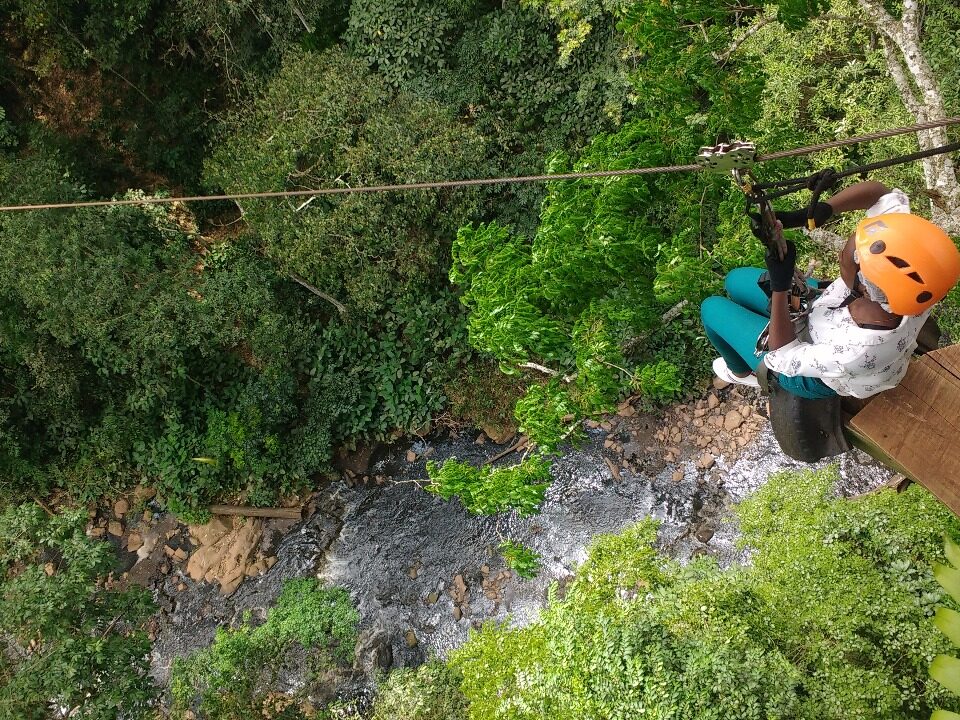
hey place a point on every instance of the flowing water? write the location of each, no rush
(399, 549)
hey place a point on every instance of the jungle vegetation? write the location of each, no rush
(224, 351)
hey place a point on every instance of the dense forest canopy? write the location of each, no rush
(224, 351)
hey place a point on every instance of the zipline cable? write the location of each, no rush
(476, 182)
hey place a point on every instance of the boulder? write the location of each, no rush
(732, 420)
(134, 542)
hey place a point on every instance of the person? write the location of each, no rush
(863, 328)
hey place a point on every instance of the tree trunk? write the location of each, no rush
(921, 96)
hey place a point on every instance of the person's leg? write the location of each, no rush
(741, 286)
(733, 330)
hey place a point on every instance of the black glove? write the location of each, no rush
(798, 218)
(781, 271)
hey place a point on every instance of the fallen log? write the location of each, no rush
(293, 513)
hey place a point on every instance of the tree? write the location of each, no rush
(326, 120)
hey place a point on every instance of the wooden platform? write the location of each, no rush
(915, 428)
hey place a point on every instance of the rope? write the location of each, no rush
(787, 187)
(476, 182)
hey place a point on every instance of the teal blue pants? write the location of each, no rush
(734, 323)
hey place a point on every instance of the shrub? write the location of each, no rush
(487, 490)
(830, 620)
(521, 559)
(429, 692)
(236, 676)
(66, 641)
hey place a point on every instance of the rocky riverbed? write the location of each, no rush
(423, 571)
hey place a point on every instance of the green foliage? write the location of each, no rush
(429, 692)
(65, 640)
(547, 416)
(402, 39)
(392, 367)
(125, 349)
(521, 559)
(236, 675)
(660, 381)
(945, 669)
(324, 119)
(487, 490)
(828, 621)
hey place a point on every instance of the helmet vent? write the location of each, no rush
(901, 263)
(878, 247)
(924, 296)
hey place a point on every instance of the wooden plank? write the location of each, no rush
(915, 428)
(293, 513)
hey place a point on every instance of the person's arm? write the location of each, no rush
(781, 326)
(848, 268)
(858, 196)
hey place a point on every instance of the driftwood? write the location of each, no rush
(294, 513)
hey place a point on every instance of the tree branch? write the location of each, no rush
(319, 293)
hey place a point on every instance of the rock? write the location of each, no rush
(499, 435)
(719, 384)
(459, 590)
(457, 614)
(226, 561)
(96, 532)
(141, 493)
(706, 461)
(699, 412)
(712, 401)
(49, 569)
(373, 651)
(704, 533)
(147, 515)
(677, 475)
(698, 423)
(746, 411)
(357, 461)
(121, 507)
(433, 597)
(411, 456)
(676, 437)
(481, 439)
(115, 528)
(591, 424)
(608, 443)
(411, 638)
(134, 542)
(179, 554)
(606, 425)
(716, 421)
(484, 569)
(211, 532)
(414, 571)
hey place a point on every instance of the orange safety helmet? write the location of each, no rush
(912, 260)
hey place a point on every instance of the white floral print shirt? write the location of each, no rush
(848, 358)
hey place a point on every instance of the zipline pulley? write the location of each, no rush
(738, 155)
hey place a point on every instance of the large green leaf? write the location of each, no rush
(948, 622)
(952, 551)
(945, 669)
(944, 715)
(949, 579)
